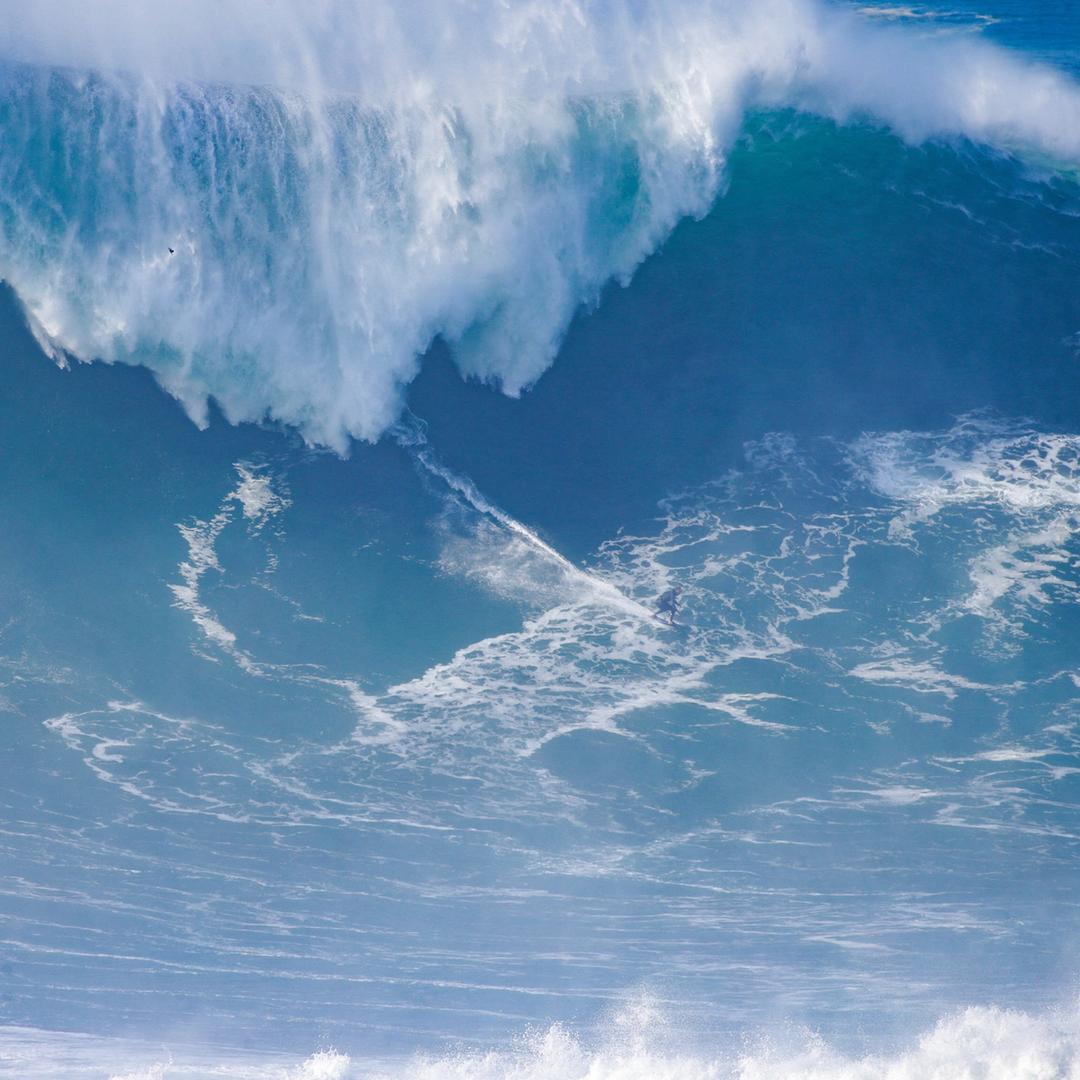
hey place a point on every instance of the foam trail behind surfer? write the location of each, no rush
(410, 433)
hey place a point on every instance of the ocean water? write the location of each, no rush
(368, 373)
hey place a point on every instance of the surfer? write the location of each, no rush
(668, 604)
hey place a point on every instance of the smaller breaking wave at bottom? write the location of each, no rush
(636, 1043)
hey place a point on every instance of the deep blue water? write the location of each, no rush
(337, 716)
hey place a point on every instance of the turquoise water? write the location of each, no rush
(338, 720)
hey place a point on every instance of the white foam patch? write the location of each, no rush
(155, 1072)
(259, 503)
(981, 461)
(921, 676)
(939, 19)
(200, 537)
(342, 182)
(1000, 475)
(255, 493)
(186, 744)
(325, 1065)
(1031, 568)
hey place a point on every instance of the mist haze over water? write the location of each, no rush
(341, 736)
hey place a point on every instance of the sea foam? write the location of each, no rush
(281, 205)
(989, 1043)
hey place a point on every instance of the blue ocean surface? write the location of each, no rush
(368, 375)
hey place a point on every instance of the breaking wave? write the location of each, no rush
(284, 214)
(989, 1043)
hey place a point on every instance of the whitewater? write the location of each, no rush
(368, 373)
(282, 214)
(989, 1044)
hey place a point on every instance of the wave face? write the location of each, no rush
(283, 214)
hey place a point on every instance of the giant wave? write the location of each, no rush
(283, 216)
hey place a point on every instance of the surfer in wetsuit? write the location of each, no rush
(668, 604)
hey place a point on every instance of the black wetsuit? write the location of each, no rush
(668, 605)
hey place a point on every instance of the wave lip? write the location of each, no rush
(284, 215)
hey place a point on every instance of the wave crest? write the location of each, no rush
(282, 215)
